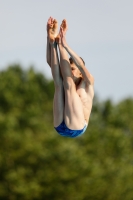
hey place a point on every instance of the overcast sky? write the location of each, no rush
(100, 31)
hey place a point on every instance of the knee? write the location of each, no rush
(58, 84)
(59, 89)
(68, 83)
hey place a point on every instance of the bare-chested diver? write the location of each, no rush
(73, 83)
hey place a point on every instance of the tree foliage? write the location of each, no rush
(36, 163)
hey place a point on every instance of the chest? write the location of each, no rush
(81, 90)
(85, 93)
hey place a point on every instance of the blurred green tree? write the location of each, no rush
(36, 163)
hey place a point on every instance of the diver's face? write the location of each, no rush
(75, 71)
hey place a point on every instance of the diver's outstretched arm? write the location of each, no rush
(76, 59)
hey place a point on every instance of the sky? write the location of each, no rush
(100, 31)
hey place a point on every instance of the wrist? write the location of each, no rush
(54, 44)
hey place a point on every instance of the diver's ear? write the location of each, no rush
(80, 73)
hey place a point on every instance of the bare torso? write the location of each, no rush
(86, 94)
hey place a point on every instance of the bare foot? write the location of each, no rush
(49, 24)
(63, 28)
(52, 28)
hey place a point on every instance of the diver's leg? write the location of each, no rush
(48, 46)
(58, 103)
(48, 53)
(73, 113)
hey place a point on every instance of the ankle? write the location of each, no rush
(54, 44)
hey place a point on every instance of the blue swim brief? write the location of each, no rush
(63, 130)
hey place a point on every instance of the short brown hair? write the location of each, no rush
(71, 60)
(83, 60)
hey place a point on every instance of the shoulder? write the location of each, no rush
(86, 89)
(87, 76)
(89, 87)
(90, 81)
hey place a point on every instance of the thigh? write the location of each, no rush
(58, 105)
(73, 113)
